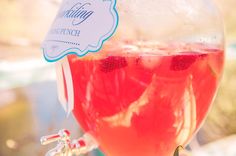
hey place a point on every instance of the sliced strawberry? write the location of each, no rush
(112, 62)
(183, 62)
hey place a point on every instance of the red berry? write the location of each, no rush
(184, 61)
(112, 62)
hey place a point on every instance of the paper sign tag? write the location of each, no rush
(81, 26)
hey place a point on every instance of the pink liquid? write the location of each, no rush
(144, 104)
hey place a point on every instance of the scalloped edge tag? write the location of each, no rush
(80, 27)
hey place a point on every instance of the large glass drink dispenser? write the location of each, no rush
(149, 86)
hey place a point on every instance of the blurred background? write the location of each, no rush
(29, 107)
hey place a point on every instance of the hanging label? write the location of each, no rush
(81, 26)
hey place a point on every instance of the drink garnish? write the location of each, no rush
(112, 62)
(183, 62)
